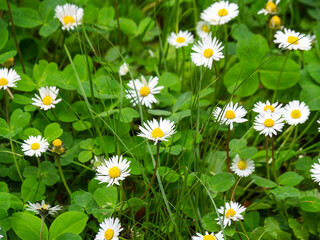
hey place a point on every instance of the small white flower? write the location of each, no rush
(261, 107)
(157, 131)
(243, 168)
(47, 98)
(8, 78)
(42, 209)
(319, 123)
(292, 40)
(113, 170)
(180, 39)
(203, 29)
(109, 229)
(34, 146)
(124, 69)
(220, 13)
(208, 236)
(231, 212)
(230, 114)
(69, 15)
(1, 236)
(295, 112)
(96, 162)
(143, 91)
(271, 8)
(206, 50)
(268, 124)
(315, 170)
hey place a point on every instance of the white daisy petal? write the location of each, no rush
(69, 15)
(270, 8)
(292, 40)
(8, 78)
(203, 29)
(109, 229)
(243, 168)
(295, 112)
(47, 99)
(42, 209)
(124, 69)
(180, 39)
(230, 212)
(208, 236)
(230, 114)
(268, 123)
(35, 146)
(315, 170)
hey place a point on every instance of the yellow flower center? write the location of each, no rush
(3, 81)
(46, 100)
(296, 114)
(269, 122)
(222, 12)
(275, 21)
(270, 107)
(108, 235)
(144, 91)
(209, 237)
(230, 213)
(271, 7)
(57, 143)
(114, 172)
(293, 40)
(230, 114)
(208, 52)
(242, 165)
(157, 133)
(68, 19)
(44, 206)
(205, 28)
(180, 39)
(35, 146)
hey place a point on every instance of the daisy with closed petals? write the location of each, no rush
(261, 107)
(220, 13)
(47, 98)
(113, 170)
(8, 78)
(35, 146)
(243, 168)
(291, 40)
(230, 114)
(109, 229)
(208, 236)
(231, 212)
(268, 124)
(69, 15)
(275, 22)
(203, 29)
(157, 131)
(206, 50)
(124, 69)
(180, 39)
(143, 91)
(296, 112)
(315, 170)
(42, 209)
(271, 8)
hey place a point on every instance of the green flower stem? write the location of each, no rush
(278, 82)
(267, 158)
(228, 141)
(237, 230)
(57, 157)
(235, 189)
(243, 229)
(123, 197)
(118, 23)
(273, 162)
(41, 229)
(39, 170)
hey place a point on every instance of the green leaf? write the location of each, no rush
(52, 132)
(4, 37)
(106, 143)
(128, 26)
(106, 197)
(252, 220)
(49, 28)
(263, 182)
(81, 125)
(68, 236)
(168, 174)
(157, 112)
(311, 96)
(106, 15)
(300, 231)
(19, 119)
(26, 84)
(85, 156)
(314, 71)
(42, 71)
(253, 49)
(220, 182)
(285, 192)
(209, 224)
(182, 100)
(127, 114)
(49, 173)
(4, 128)
(310, 204)
(145, 25)
(5, 56)
(26, 17)
(83, 199)
(73, 222)
(171, 81)
(290, 179)
(5, 200)
(32, 190)
(87, 144)
(304, 163)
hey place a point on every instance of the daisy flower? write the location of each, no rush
(220, 13)
(268, 124)
(315, 170)
(109, 229)
(292, 40)
(243, 168)
(208, 236)
(206, 50)
(180, 39)
(35, 146)
(69, 15)
(295, 112)
(203, 29)
(143, 91)
(271, 8)
(319, 123)
(275, 23)
(1, 236)
(42, 209)
(230, 114)
(8, 78)
(124, 69)
(113, 170)
(261, 107)
(231, 211)
(47, 98)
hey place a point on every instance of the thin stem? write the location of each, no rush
(118, 22)
(273, 162)
(154, 173)
(228, 140)
(243, 229)
(57, 157)
(267, 158)
(285, 209)
(41, 229)
(235, 189)
(9, 93)
(278, 82)
(237, 230)
(123, 197)
(39, 170)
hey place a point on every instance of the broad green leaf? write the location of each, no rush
(49, 28)
(181, 101)
(26, 17)
(263, 182)
(32, 190)
(145, 25)
(81, 125)
(290, 179)
(209, 224)
(26, 84)
(107, 143)
(87, 144)
(83, 199)
(299, 230)
(42, 71)
(135, 204)
(4, 128)
(314, 71)
(310, 204)
(168, 174)
(4, 37)
(241, 32)
(252, 220)
(49, 173)
(304, 163)
(5, 56)
(21, 99)
(171, 81)
(311, 96)
(157, 112)
(105, 16)
(52, 132)
(68, 236)
(106, 197)
(128, 26)
(127, 114)
(5, 200)
(285, 192)
(85, 156)
(220, 182)
(19, 119)
(253, 49)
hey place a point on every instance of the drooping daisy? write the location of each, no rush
(157, 131)
(243, 168)
(292, 40)
(143, 91)
(124, 69)
(35, 146)
(203, 29)
(206, 50)
(230, 114)
(220, 13)
(109, 229)
(47, 98)
(268, 124)
(271, 8)
(113, 170)
(57, 147)
(69, 15)
(208, 236)
(296, 112)
(261, 107)
(275, 22)
(8, 78)
(231, 212)
(42, 209)
(180, 39)
(315, 170)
